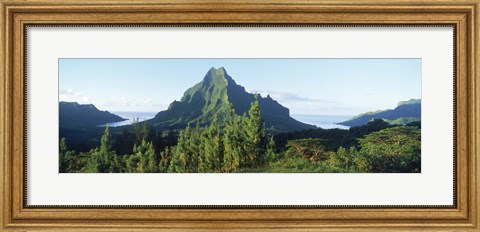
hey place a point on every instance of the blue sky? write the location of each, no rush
(305, 86)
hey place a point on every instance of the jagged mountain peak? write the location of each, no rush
(217, 76)
(217, 71)
(212, 95)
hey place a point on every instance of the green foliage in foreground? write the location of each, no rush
(394, 149)
(242, 145)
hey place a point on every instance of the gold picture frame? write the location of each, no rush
(16, 15)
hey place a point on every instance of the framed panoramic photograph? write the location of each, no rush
(202, 115)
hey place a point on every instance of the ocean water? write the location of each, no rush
(141, 116)
(323, 121)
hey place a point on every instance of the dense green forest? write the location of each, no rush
(243, 144)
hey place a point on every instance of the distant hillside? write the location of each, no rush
(404, 113)
(74, 115)
(411, 102)
(212, 95)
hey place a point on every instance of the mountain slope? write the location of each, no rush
(212, 95)
(74, 115)
(406, 111)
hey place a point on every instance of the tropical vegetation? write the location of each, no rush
(218, 127)
(243, 144)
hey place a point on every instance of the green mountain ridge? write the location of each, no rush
(402, 120)
(368, 113)
(405, 112)
(211, 97)
(75, 115)
(409, 102)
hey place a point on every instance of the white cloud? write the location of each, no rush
(299, 104)
(127, 102)
(69, 95)
(288, 96)
(123, 103)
